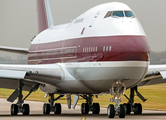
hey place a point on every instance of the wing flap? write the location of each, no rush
(40, 78)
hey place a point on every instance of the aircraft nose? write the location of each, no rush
(135, 48)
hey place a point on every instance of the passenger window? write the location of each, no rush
(118, 14)
(94, 49)
(91, 49)
(104, 49)
(107, 48)
(110, 48)
(129, 14)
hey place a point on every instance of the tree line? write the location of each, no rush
(9, 60)
(157, 57)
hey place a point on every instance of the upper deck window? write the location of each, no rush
(118, 13)
(129, 14)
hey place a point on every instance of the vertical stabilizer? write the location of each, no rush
(49, 14)
(45, 19)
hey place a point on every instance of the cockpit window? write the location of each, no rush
(109, 13)
(118, 13)
(129, 14)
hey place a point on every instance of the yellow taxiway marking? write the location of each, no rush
(83, 118)
(5, 108)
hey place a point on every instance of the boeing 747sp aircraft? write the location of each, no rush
(103, 51)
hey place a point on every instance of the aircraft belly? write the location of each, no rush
(108, 76)
(101, 78)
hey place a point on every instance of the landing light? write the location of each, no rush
(118, 83)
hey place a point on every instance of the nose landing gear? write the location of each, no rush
(116, 91)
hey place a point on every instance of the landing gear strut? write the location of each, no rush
(88, 106)
(131, 106)
(116, 91)
(50, 107)
(20, 107)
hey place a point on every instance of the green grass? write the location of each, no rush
(155, 94)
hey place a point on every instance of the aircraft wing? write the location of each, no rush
(156, 74)
(30, 74)
(23, 51)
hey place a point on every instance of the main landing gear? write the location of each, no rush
(131, 106)
(51, 107)
(20, 107)
(17, 108)
(116, 91)
(88, 106)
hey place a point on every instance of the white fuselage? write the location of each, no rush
(94, 51)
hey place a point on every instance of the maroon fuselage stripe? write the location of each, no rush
(91, 49)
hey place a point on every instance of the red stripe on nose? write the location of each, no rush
(135, 48)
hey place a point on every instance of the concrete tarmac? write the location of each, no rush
(36, 113)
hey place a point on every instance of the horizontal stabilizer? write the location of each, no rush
(23, 51)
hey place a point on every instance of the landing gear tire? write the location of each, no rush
(26, 109)
(138, 108)
(84, 108)
(128, 108)
(111, 111)
(46, 109)
(14, 109)
(57, 109)
(96, 108)
(122, 112)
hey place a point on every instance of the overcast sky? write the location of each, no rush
(18, 19)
